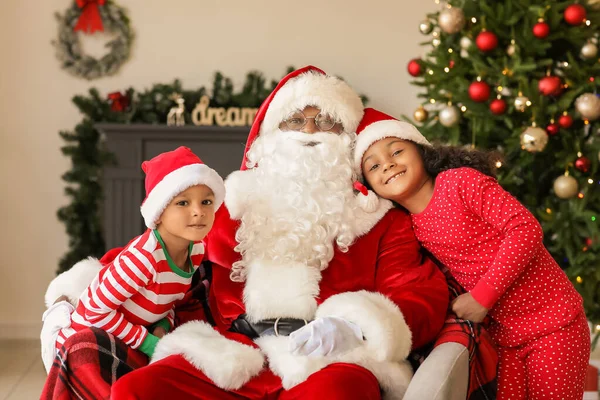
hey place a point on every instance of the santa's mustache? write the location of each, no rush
(322, 141)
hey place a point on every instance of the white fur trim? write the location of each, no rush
(237, 185)
(393, 374)
(229, 364)
(329, 93)
(74, 282)
(387, 335)
(381, 130)
(176, 182)
(275, 290)
(290, 368)
(364, 221)
(369, 202)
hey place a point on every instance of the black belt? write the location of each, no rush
(266, 327)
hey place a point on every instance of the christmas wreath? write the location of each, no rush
(90, 16)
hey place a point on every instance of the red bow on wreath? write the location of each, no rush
(119, 102)
(89, 20)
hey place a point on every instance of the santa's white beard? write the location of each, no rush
(300, 203)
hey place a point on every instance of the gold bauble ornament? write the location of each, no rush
(566, 186)
(425, 27)
(452, 20)
(534, 139)
(510, 50)
(522, 102)
(595, 4)
(420, 114)
(588, 105)
(589, 51)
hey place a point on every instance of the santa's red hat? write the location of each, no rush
(308, 86)
(169, 174)
(375, 126)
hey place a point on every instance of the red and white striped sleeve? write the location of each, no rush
(171, 318)
(124, 277)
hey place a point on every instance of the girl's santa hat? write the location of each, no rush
(375, 126)
(308, 86)
(169, 174)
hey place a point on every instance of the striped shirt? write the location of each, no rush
(137, 289)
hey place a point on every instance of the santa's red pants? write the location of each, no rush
(175, 378)
(550, 367)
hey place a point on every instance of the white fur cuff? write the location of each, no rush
(73, 282)
(387, 335)
(229, 364)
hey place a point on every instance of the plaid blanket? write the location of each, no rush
(92, 360)
(88, 364)
(483, 359)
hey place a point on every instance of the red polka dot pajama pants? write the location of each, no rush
(550, 367)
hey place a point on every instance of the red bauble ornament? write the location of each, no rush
(486, 41)
(583, 164)
(414, 67)
(479, 91)
(575, 14)
(565, 121)
(552, 129)
(550, 86)
(541, 30)
(498, 106)
(589, 242)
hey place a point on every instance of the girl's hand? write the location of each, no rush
(466, 307)
(159, 332)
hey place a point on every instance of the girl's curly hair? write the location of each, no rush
(439, 158)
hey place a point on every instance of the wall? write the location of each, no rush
(369, 44)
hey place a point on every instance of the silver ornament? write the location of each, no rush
(589, 50)
(588, 105)
(565, 187)
(465, 43)
(506, 91)
(449, 116)
(425, 27)
(534, 139)
(521, 103)
(452, 20)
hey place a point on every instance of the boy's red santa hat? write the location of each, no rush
(308, 86)
(169, 174)
(376, 126)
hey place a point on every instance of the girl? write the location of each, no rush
(493, 246)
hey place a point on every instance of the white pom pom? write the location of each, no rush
(368, 203)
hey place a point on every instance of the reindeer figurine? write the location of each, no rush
(175, 116)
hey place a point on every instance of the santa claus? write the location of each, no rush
(312, 282)
(318, 292)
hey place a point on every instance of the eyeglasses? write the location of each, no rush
(297, 120)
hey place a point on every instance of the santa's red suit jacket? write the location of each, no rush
(387, 260)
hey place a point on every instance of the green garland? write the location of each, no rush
(68, 47)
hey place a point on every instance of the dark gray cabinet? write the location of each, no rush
(221, 148)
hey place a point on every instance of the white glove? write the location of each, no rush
(55, 318)
(328, 336)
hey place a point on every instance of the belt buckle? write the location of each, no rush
(276, 328)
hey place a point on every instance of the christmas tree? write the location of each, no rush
(521, 77)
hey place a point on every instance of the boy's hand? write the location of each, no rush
(466, 307)
(159, 332)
